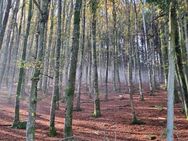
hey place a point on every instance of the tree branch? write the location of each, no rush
(47, 75)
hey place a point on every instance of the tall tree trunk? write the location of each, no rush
(186, 26)
(78, 108)
(47, 59)
(62, 61)
(16, 46)
(5, 20)
(67, 43)
(164, 52)
(55, 96)
(9, 63)
(30, 130)
(130, 66)
(115, 50)
(138, 54)
(97, 111)
(146, 50)
(11, 25)
(1, 13)
(90, 63)
(22, 68)
(107, 49)
(182, 67)
(171, 70)
(70, 86)
(9, 43)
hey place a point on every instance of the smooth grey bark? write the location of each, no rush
(52, 61)
(8, 47)
(70, 85)
(116, 78)
(1, 13)
(16, 48)
(130, 66)
(149, 66)
(164, 52)
(30, 129)
(171, 72)
(5, 20)
(107, 49)
(9, 43)
(138, 54)
(22, 67)
(48, 52)
(67, 43)
(56, 93)
(12, 64)
(97, 111)
(186, 26)
(89, 74)
(44, 52)
(153, 82)
(62, 54)
(9, 58)
(78, 108)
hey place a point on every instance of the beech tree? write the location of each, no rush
(78, 108)
(56, 93)
(97, 111)
(22, 68)
(171, 72)
(4, 21)
(30, 129)
(70, 85)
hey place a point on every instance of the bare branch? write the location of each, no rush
(47, 76)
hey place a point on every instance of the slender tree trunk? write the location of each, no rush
(55, 96)
(5, 20)
(107, 49)
(146, 50)
(164, 51)
(182, 67)
(62, 61)
(11, 24)
(47, 59)
(1, 13)
(130, 66)
(186, 26)
(9, 64)
(67, 49)
(171, 71)
(115, 50)
(30, 130)
(90, 63)
(97, 112)
(78, 108)
(138, 55)
(44, 53)
(16, 47)
(70, 86)
(22, 68)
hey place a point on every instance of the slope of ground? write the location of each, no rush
(114, 125)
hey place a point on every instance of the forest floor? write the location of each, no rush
(113, 125)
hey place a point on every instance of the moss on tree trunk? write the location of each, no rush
(70, 86)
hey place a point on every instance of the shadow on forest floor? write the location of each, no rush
(114, 124)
